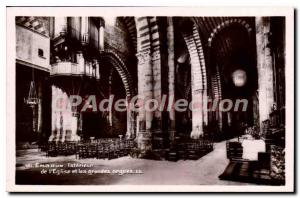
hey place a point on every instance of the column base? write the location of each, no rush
(144, 142)
(130, 135)
(52, 137)
(196, 133)
(58, 136)
(71, 136)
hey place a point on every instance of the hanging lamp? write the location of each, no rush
(32, 98)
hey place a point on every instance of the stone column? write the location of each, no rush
(130, 133)
(74, 128)
(53, 115)
(264, 67)
(80, 62)
(205, 102)
(110, 110)
(101, 35)
(39, 106)
(66, 120)
(59, 126)
(171, 79)
(74, 124)
(196, 88)
(145, 78)
(218, 97)
(57, 120)
(197, 101)
(157, 120)
(84, 30)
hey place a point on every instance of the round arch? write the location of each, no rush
(198, 71)
(217, 46)
(226, 24)
(122, 70)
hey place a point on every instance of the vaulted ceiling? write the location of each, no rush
(209, 27)
(222, 37)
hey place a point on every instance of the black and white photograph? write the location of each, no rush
(104, 98)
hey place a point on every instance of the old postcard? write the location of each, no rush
(150, 99)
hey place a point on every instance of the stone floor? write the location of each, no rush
(204, 171)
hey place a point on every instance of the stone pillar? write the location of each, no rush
(80, 62)
(264, 67)
(53, 115)
(197, 114)
(196, 88)
(205, 103)
(68, 122)
(56, 114)
(101, 35)
(39, 106)
(130, 133)
(157, 120)
(84, 30)
(171, 79)
(74, 128)
(66, 114)
(219, 98)
(110, 110)
(145, 79)
(59, 126)
(64, 122)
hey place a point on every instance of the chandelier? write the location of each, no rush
(32, 98)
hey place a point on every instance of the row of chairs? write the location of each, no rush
(106, 148)
(114, 148)
(191, 149)
(55, 149)
(102, 150)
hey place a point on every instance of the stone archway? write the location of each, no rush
(230, 49)
(120, 66)
(199, 79)
(226, 24)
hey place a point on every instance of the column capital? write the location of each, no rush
(143, 56)
(155, 54)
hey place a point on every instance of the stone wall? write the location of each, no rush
(117, 38)
(28, 44)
